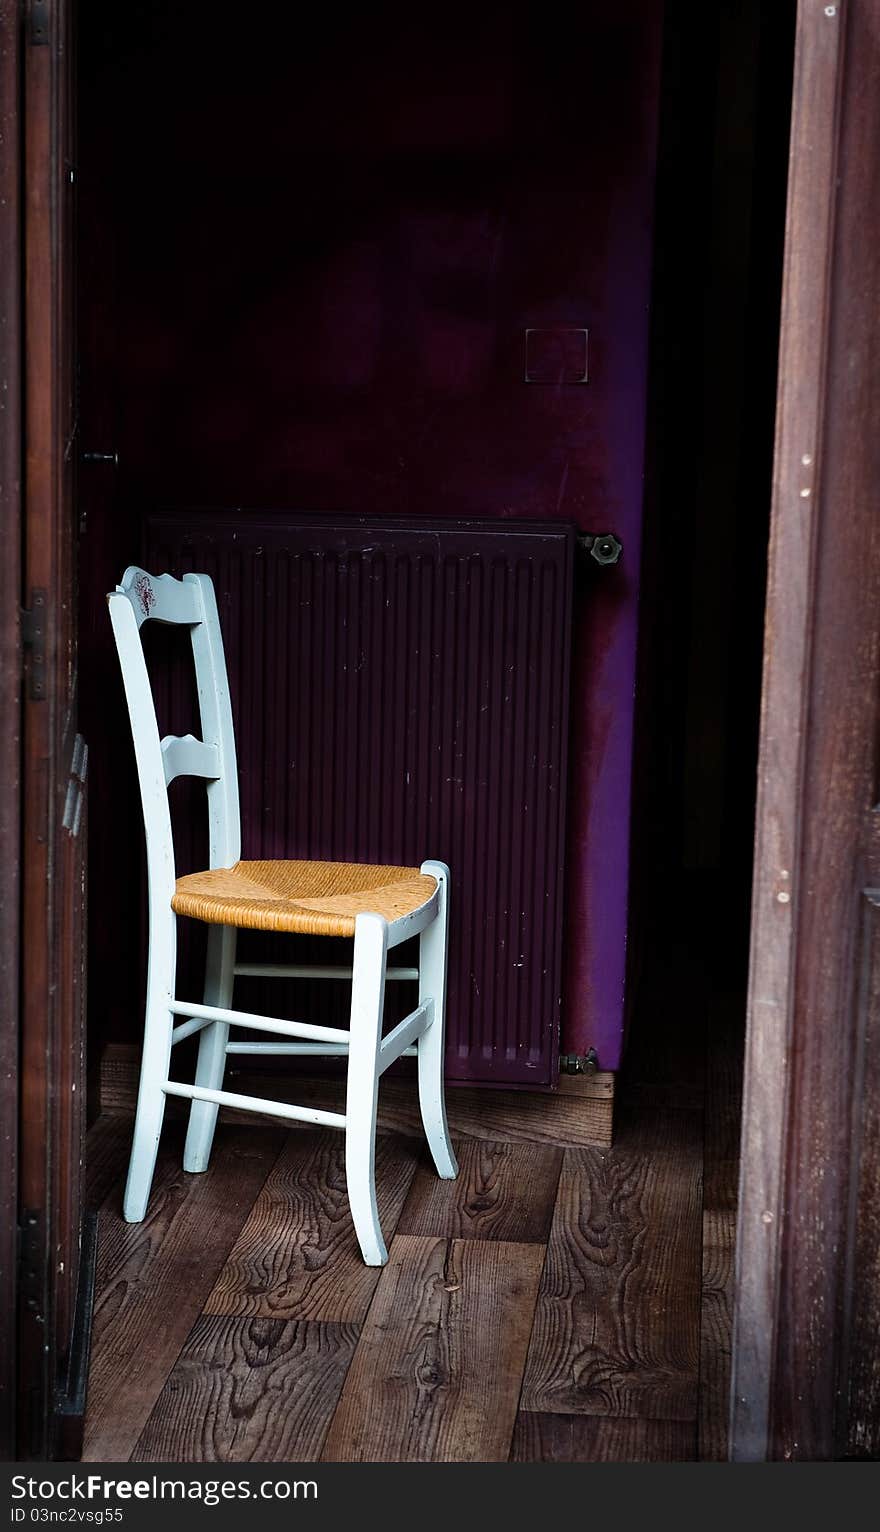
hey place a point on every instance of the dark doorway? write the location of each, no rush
(384, 269)
(171, 266)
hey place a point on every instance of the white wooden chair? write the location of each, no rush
(379, 906)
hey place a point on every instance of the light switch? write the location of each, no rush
(556, 354)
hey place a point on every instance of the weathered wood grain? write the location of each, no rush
(600, 1439)
(118, 1081)
(503, 1191)
(719, 1234)
(579, 1113)
(108, 1144)
(720, 1186)
(617, 1322)
(12, 45)
(249, 1391)
(660, 1098)
(297, 1256)
(817, 781)
(295, 1350)
(153, 1278)
(437, 1370)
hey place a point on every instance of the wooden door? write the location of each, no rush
(806, 1365)
(10, 687)
(54, 762)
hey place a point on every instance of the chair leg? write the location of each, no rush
(432, 985)
(158, 1026)
(367, 1005)
(219, 981)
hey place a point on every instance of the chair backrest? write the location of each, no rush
(189, 602)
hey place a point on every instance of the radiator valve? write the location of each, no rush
(579, 1063)
(604, 547)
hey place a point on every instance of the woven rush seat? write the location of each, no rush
(312, 898)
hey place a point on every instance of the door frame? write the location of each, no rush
(10, 698)
(43, 763)
(815, 869)
(811, 866)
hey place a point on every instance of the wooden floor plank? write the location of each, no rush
(437, 1370)
(503, 1191)
(297, 1256)
(600, 1439)
(661, 1098)
(617, 1322)
(716, 1317)
(724, 1075)
(108, 1145)
(578, 1113)
(153, 1278)
(244, 1326)
(249, 1391)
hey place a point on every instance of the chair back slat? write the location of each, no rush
(185, 756)
(159, 598)
(141, 597)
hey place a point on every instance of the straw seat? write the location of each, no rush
(312, 898)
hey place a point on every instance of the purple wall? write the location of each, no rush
(326, 248)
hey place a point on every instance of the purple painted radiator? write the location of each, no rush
(401, 690)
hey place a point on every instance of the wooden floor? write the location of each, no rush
(555, 1303)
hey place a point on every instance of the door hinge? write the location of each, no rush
(32, 1265)
(38, 23)
(33, 639)
(579, 1063)
(73, 803)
